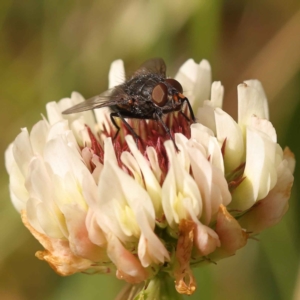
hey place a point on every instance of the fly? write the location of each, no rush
(148, 94)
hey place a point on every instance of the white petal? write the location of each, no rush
(22, 151)
(264, 126)
(215, 154)
(251, 101)
(9, 158)
(217, 93)
(195, 80)
(260, 173)
(116, 73)
(177, 187)
(153, 159)
(53, 112)
(38, 136)
(18, 192)
(206, 116)
(228, 129)
(152, 185)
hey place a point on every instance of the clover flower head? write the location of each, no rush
(99, 205)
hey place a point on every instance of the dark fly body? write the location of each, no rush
(148, 94)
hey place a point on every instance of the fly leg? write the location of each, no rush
(184, 99)
(159, 118)
(119, 115)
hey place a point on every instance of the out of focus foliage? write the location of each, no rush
(50, 48)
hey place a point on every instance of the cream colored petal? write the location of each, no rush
(150, 248)
(264, 126)
(183, 157)
(251, 101)
(38, 136)
(206, 116)
(215, 154)
(53, 112)
(129, 161)
(260, 173)
(177, 187)
(63, 158)
(119, 200)
(18, 193)
(9, 158)
(58, 129)
(269, 211)
(217, 94)
(152, 185)
(22, 151)
(227, 129)
(196, 81)
(41, 190)
(154, 163)
(202, 173)
(116, 73)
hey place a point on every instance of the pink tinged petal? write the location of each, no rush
(289, 156)
(59, 255)
(231, 234)
(185, 282)
(177, 187)
(195, 80)
(270, 210)
(79, 241)
(152, 185)
(95, 233)
(251, 101)
(150, 248)
(153, 159)
(128, 265)
(260, 173)
(229, 131)
(38, 136)
(116, 73)
(205, 239)
(217, 93)
(22, 151)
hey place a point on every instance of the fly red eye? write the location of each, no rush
(175, 84)
(160, 94)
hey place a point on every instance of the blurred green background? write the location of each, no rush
(50, 48)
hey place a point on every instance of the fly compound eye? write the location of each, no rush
(175, 84)
(160, 94)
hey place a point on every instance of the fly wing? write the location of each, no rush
(154, 65)
(102, 100)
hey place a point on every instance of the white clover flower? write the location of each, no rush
(98, 205)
